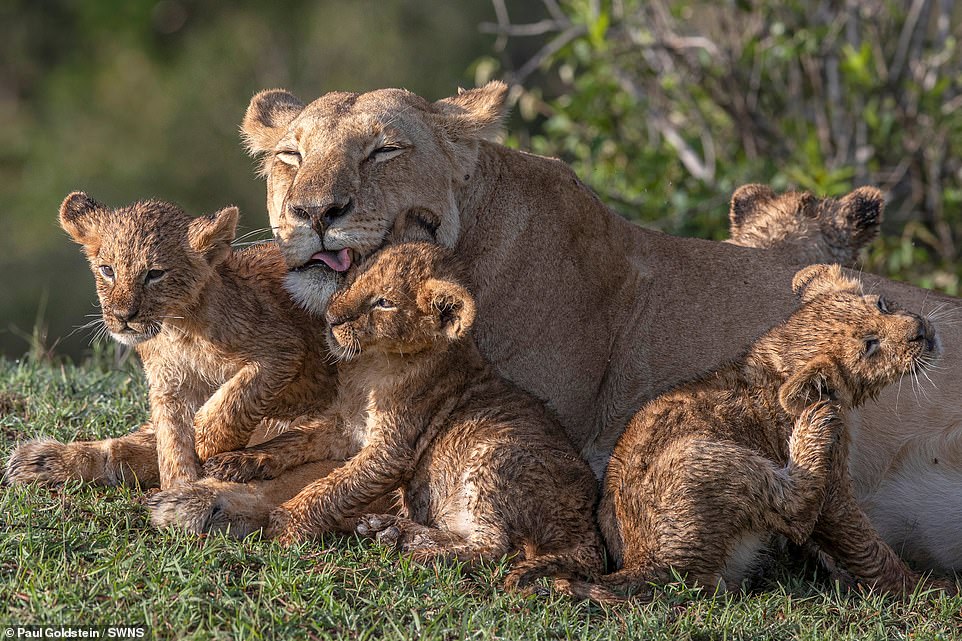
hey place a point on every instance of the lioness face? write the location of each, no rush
(349, 172)
(403, 300)
(868, 338)
(150, 260)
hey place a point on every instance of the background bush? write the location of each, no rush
(662, 107)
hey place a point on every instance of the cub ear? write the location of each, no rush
(267, 118)
(746, 201)
(75, 213)
(475, 113)
(818, 380)
(860, 214)
(212, 235)
(818, 280)
(453, 305)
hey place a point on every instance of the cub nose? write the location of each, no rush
(924, 332)
(125, 315)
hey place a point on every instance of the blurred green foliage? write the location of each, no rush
(665, 107)
(143, 98)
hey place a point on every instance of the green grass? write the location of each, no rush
(82, 555)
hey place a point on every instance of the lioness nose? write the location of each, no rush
(321, 216)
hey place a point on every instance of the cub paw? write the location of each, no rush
(383, 528)
(239, 466)
(50, 462)
(200, 508)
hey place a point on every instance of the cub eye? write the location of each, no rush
(107, 271)
(383, 303)
(154, 274)
(882, 305)
(291, 158)
(386, 152)
(871, 346)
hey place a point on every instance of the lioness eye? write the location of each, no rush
(291, 158)
(107, 271)
(871, 346)
(154, 274)
(383, 303)
(386, 152)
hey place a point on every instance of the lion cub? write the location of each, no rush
(222, 344)
(484, 470)
(704, 475)
(809, 229)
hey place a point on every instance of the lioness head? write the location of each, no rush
(844, 342)
(823, 230)
(404, 299)
(150, 260)
(349, 170)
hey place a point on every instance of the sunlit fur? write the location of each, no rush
(705, 474)
(224, 348)
(803, 227)
(478, 462)
(336, 139)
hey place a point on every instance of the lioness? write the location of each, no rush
(706, 473)
(806, 228)
(576, 305)
(483, 468)
(223, 346)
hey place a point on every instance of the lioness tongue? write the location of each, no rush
(339, 261)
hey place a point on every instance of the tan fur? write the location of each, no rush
(759, 447)
(577, 305)
(222, 345)
(483, 469)
(804, 228)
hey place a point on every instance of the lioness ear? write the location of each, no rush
(453, 305)
(819, 379)
(860, 214)
(475, 113)
(75, 213)
(212, 235)
(745, 202)
(267, 118)
(817, 280)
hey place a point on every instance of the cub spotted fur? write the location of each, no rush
(705, 474)
(484, 469)
(806, 228)
(223, 346)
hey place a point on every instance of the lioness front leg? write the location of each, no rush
(319, 439)
(227, 419)
(127, 460)
(330, 503)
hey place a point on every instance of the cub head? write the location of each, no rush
(845, 344)
(404, 299)
(150, 260)
(349, 172)
(815, 230)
